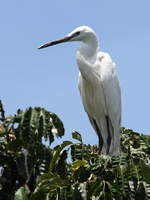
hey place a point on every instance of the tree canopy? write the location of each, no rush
(32, 171)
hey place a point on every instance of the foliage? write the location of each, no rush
(90, 176)
(23, 157)
(32, 171)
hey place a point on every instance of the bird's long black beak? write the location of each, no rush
(64, 39)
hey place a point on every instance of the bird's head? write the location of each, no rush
(82, 33)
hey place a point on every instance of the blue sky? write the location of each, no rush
(48, 78)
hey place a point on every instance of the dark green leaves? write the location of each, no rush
(77, 136)
(33, 124)
(23, 156)
(145, 170)
(69, 171)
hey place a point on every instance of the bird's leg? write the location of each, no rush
(99, 137)
(109, 135)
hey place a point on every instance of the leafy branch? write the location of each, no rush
(32, 171)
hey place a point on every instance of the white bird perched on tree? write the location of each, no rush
(99, 88)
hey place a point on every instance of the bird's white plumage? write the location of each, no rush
(99, 88)
(101, 96)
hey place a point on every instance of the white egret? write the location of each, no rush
(99, 88)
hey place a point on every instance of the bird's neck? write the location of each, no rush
(85, 56)
(88, 48)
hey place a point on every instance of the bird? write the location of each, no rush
(99, 88)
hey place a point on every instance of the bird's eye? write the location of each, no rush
(78, 32)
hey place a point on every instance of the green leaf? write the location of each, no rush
(122, 180)
(38, 195)
(21, 194)
(44, 155)
(80, 151)
(77, 136)
(93, 189)
(136, 171)
(57, 124)
(96, 190)
(114, 191)
(50, 183)
(56, 154)
(147, 190)
(145, 170)
(76, 193)
(33, 124)
(7, 123)
(78, 163)
(15, 145)
(26, 163)
(61, 168)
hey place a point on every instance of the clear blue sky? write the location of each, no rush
(48, 77)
